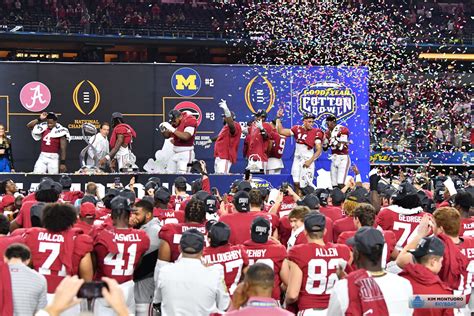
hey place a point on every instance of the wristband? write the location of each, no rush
(62, 161)
(358, 178)
(107, 157)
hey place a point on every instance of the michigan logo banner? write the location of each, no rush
(145, 93)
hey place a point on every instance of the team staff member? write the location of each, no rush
(227, 143)
(337, 137)
(258, 142)
(54, 138)
(182, 128)
(307, 137)
(120, 142)
(100, 142)
(6, 157)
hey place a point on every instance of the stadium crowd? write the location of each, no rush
(246, 251)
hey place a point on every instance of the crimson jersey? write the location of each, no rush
(467, 227)
(278, 145)
(6, 241)
(49, 144)
(285, 231)
(338, 139)
(232, 259)
(389, 246)
(255, 145)
(318, 264)
(166, 216)
(24, 217)
(342, 225)
(187, 120)
(176, 200)
(56, 255)
(401, 221)
(240, 224)
(306, 137)
(271, 254)
(286, 205)
(226, 145)
(171, 233)
(84, 227)
(333, 212)
(71, 196)
(118, 252)
(122, 129)
(467, 249)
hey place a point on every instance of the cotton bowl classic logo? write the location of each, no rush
(35, 96)
(186, 82)
(86, 97)
(259, 94)
(190, 107)
(325, 98)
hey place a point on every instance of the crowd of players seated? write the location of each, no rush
(404, 236)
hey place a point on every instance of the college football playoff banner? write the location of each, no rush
(145, 93)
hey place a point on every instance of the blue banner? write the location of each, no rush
(436, 158)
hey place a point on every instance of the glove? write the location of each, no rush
(225, 108)
(165, 126)
(259, 124)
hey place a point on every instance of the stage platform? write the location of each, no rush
(29, 181)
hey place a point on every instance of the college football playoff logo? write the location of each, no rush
(86, 97)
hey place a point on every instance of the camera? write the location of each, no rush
(284, 187)
(91, 290)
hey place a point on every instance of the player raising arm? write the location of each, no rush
(307, 137)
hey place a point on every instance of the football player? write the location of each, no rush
(182, 128)
(307, 138)
(258, 143)
(337, 138)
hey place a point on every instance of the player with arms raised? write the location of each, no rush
(307, 137)
(313, 268)
(258, 142)
(118, 250)
(182, 128)
(227, 142)
(337, 137)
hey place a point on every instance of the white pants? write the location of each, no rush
(339, 168)
(179, 162)
(313, 312)
(73, 311)
(274, 165)
(222, 166)
(102, 308)
(47, 163)
(303, 176)
(125, 158)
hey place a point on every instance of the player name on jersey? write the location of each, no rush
(329, 252)
(469, 252)
(50, 237)
(256, 253)
(468, 225)
(409, 219)
(200, 229)
(223, 257)
(126, 237)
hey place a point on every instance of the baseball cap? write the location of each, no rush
(244, 186)
(7, 200)
(151, 185)
(311, 201)
(128, 194)
(65, 181)
(180, 181)
(87, 209)
(235, 184)
(112, 192)
(260, 230)
(314, 222)
(89, 199)
(192, 241)
(48, 184)
(117, 115)
(323, 195)
(359, 195)
(307, 190)
(431, 245)
(365, 239)
(219, 234)
(120, 202)
(196, 185)
(241, 201)
(162, 195)
(155, 179)
(337, 196)
(211, 204)
(173, 114)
